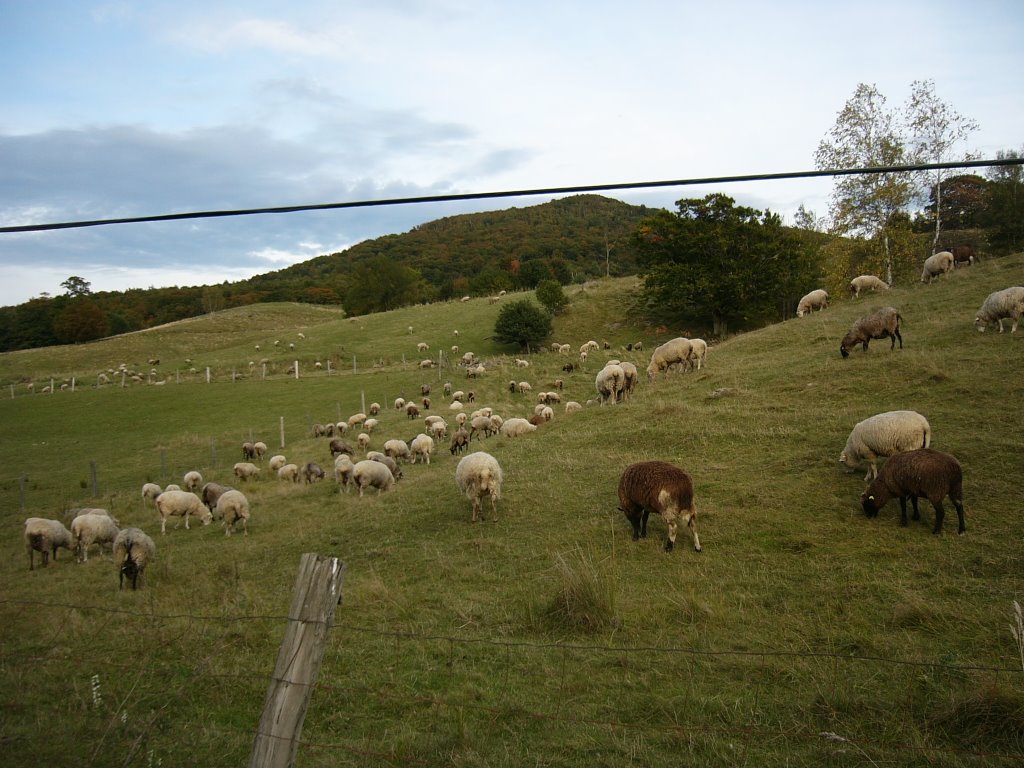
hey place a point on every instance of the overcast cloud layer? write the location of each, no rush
(118, 109)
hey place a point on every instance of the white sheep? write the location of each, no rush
(399, 403)
(172, 487)
(232, 506)
(192, 480)
(45, 536)
(90, 529)
(356, 419)
(260, 449)
(867, 283)
(572, 407)
(479, 474)
(370, 424)
(133, 550)
(677, 350)
(520, 363)
(150, 491)
(372, 474)
(397, 449)
(1007, 303)
(461, 418)
(885, 434)
(940, 263)
(289, 473)
(374, 409)
(181, 504)
(243, 470)
(698, 353)
(814, 300)
(343, 467)
(422, 347)
(609, 382)
(341, 427)
(422, 446)
(516, 427)
(276, 462)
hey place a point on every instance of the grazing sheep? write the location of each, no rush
(940, 263)
(312, 472)
(387, 461)
(814, 300)
(399, 403)
(426, 403)
(964, 254)
(677, 350)
(172, 487)
(260, 448)
(609, 382)
(412, 411)
(248, 450)
(421, 446)
(481, 423)
(881, 323)
(192, 480)
(356, 419)
(372, 474)
(397, 449)
(438, 429)
(885, 434)
(370, 424)
(244, 470)
(211, 492)
(422, 347)
(572, 407)
(427, 363)
(1007, 303)
(232, 507)
(289, 472)
(867, 283)
(478, 474)
(277, 461)
(522, 363)
(150, 491)
(343, 467)
(924, 472)
(657, 486)
(374, 409)
(461, 419)
(517, 427)
(340, 446)
(363, 441)
(460, 441)
(447, 388)
(133, 550)
(45, 536)
(92, 528)
(698, 353)
(180, 504)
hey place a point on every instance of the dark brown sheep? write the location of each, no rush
(460, 441)
(657, 486)
(313, 472)
(211, 492)
(923, 472)
(248, 450)
(964, 254)
(340, 446)
(881, 323)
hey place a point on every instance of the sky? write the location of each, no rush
(123, 109)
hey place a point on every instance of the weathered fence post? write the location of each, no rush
(207, 374)
(282, 432)
(316, 596)
(296, 370)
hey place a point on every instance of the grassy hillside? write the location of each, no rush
(803, 634)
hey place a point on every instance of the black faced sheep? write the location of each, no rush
(133, 550)
(657, 486)
(924, 472)
(881, 323)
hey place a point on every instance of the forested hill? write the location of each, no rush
(568, 239)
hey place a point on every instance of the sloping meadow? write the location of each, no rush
(804, 632)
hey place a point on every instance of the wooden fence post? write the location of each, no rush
(316, 596)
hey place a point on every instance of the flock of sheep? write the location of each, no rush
(913, 469)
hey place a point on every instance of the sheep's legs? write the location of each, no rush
(962, 527)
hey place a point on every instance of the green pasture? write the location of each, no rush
(803, 634)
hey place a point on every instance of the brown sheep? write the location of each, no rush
(340, 446)
(657, 486)
(881, 323)
(460, 441)
(923, 472)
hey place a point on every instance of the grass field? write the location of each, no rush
(803, 634)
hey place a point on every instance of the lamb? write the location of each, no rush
(657, 486)
(289, 472)
(923, 472)
(885, 434)
(372, 474)
(180, 504)
(343, 467)
(340, 446)
(388, 462)
(814, 300)
(232, 507)
(677, 350)
(192, 480)
(517, 427)
(245, 470)
(92, 528)
(211, 492)
(867, 283)
(478, 474)
(312, 472)
(150, 491)
(1008, 302)
(277, 461)
(45, 536)
(609, 382)
(940, 263)
(460, 441)
(422, 446)
(133, 550)
(881, 323)
(397, 449)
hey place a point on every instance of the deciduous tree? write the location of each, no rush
(524, 323)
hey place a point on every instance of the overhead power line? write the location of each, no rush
(514, 193)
